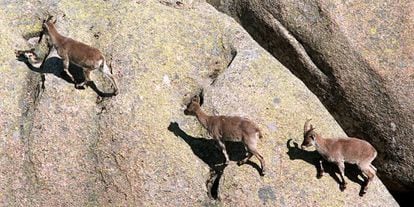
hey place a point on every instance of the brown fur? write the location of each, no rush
(78, 53)
(340, 150)
(229, 128)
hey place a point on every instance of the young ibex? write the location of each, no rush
(78, 53)
(340, 150)
(228, 128)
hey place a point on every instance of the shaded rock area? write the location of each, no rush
(62, 146)
(357, 57)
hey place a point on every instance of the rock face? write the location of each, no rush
(61, 146)
(357, 57)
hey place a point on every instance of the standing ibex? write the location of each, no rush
(340, 150)
(228, 128)
(78, 53)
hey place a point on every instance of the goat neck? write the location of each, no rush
(320, 144)
(54, 35)
(202, 117)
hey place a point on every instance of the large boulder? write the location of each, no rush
(357, 57)
(62, 146)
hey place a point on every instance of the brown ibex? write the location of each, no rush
(76, 52)
(229, 128)
(340, 150)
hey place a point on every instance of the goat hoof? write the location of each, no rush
(364, 189)
(240, 163)
(342, 187)
(319, 175)
(362, 192)
(79, 86)
(220, 165)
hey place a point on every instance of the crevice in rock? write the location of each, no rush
(33, 91)
(229, 53)
(233, 53)
(286, 48)
(182, 4)
(213, 183)
(125, 175)
(108, 166)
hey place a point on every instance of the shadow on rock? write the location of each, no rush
(54, 65)
(209, 153)
(312, 157)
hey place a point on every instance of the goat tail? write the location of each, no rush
(372, 166)
(260, 134)
(104, 66)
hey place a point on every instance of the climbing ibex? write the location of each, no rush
(78, 53)
(340, 150)
(228, 128)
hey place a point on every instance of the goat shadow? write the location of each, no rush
(54, 65)
(312, 157)
(209, 153)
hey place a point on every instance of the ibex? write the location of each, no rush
(228, 128)
(78, 53)
(340, 150)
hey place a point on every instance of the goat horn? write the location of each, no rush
(40, 37)
(306, 127)
(196, 98)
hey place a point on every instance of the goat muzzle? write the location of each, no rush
(186, 112)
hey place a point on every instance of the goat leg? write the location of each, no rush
(223, 149)
(320, 169)
(241, 162)
(66, 68)
(370, 174)
(341, 166)
(86, 73)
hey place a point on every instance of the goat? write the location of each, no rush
(228, 128)
(76, 52)
(340, 150)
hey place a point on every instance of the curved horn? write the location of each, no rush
(40, 37)
(196, 98)
(201, 95)
(306, 127)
